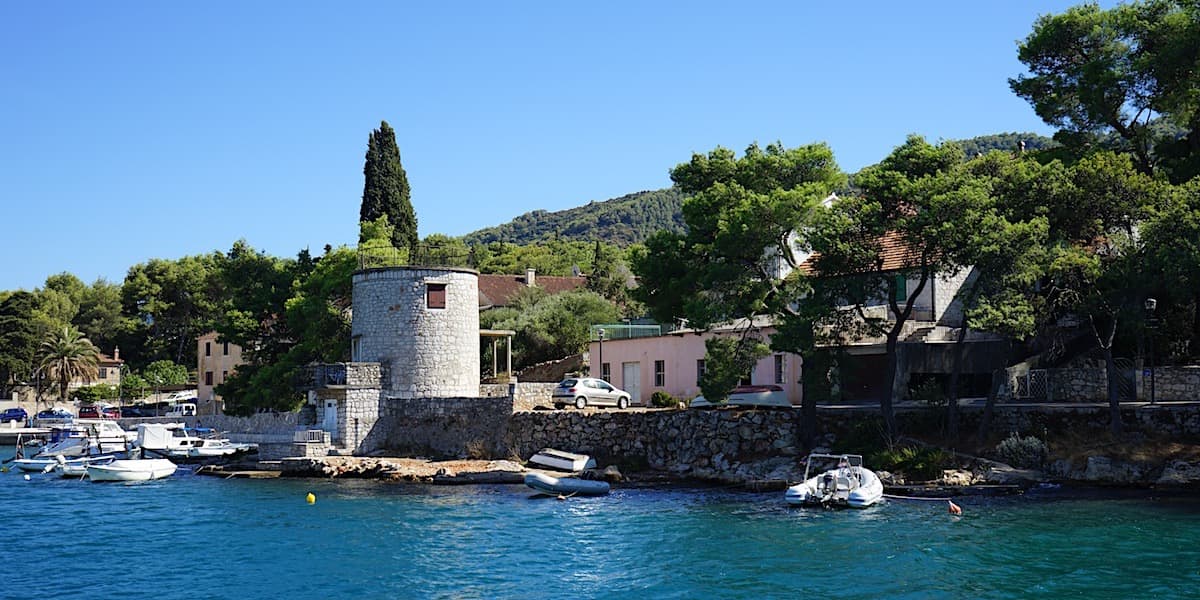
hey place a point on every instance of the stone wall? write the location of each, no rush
(1172, 384)
(527, 396)
(441, 427)
(678, 440)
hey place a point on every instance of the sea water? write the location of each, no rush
(198, 537)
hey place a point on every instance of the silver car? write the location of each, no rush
(587, 391)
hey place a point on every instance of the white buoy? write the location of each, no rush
(27, 478)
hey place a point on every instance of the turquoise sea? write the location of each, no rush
(194, 537)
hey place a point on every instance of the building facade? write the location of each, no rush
(215, 362)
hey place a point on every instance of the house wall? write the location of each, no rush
(679, 352)
(220, 360)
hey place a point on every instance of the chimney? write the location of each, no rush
(529, 276)
(116, 353)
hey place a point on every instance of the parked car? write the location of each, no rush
(587, 391)
(99, 411)
(55, 414)
(14, 414)
(768, 396)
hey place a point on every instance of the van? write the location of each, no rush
(183, 409)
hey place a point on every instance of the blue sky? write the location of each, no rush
(139, 130)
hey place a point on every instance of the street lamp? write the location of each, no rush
(1150, 305)
(600, 333)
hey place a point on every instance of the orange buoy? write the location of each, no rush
(954, 508)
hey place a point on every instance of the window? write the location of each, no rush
(901, 288)
(780, 369)
(699, 370)
(208, 378)
(225, 349)
(605, 372)
(208, 348)
(435, 295)
(224, 376)
(660, 373)
(355, 348)
(102, 373)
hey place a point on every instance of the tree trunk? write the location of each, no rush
(1114, 398)
(955, 373)
(885, 401)
(989, 407)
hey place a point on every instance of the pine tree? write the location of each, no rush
(385, 188)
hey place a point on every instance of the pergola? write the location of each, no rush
(494, 335)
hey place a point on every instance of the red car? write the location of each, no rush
(99, 412)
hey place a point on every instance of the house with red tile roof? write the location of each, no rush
(499, 290)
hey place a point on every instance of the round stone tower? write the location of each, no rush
(422, 324)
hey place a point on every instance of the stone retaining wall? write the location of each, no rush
(440, 427)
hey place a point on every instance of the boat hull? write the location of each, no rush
(566, 486)
(132, 470)
(808, 493)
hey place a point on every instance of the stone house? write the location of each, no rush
(215, 361)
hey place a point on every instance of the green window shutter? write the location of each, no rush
(901, 288)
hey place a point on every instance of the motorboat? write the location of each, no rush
(166, 439)
(217, 447)
(84, 437)
(565, 486)
(847, 484)
(77, 467)
(132, 469)
(563, 461)
(47, 463)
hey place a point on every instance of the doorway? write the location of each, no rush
(631, 381)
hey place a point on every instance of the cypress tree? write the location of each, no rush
(385, 188)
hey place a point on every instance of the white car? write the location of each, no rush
(586, 391)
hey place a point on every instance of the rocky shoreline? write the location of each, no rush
(977, 476)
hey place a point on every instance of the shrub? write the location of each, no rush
(663, 400)
(915, 463)
(1027, 452)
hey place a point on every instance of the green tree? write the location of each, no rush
(550, 327)
(18, 340)
(1172, 272)
(906, 211)
(67, 355)
(385, 189)
(1125, 74)
(727, 360)
(164, 372)
(167, 305)
(99, 316)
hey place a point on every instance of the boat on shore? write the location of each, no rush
(565, 486)
(563, 461)
(849, 484)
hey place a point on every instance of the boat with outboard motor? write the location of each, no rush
(77, 467)
(847, 484)
(84, 437)
(132, 469)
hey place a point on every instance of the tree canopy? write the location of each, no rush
(386, 190)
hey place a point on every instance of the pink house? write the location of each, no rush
(673, 363)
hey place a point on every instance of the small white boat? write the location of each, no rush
(77, 467)
(848, 484)
(566, 486)
(213, 447)
(563, 461)
(47, 464)
(86, 436)
(136, 469)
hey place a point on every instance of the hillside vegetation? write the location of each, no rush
(627, 220)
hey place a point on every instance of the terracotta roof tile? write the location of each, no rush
(895, 254)
(498, 290)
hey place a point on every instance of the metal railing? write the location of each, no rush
(426, 255)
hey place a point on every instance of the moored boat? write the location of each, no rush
(77, 467)
(135, 469)
(848, 484)
(565, 486)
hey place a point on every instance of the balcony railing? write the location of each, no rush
(426, 255)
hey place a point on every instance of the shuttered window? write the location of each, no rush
(435, 295)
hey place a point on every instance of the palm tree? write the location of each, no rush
(68, 355)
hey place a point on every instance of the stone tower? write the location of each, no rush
(422, 325)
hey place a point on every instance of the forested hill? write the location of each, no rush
(630, 219)
(627, 220)
(1005, 142)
